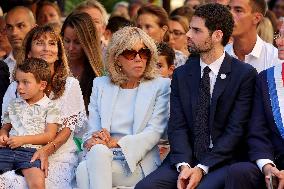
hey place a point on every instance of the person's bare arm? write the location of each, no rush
(4, 134)
(47, 150)
(38, 139)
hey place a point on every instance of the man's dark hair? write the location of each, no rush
(38, 67)
(259, 6)
(165, 50)
(217, 17)
(117, 22)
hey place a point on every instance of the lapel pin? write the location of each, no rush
(223, 76)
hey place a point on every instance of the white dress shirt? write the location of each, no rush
(11, 63)
(263, 55)
(214, 67)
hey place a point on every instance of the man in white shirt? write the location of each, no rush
(19, 21)
(211, 99)
(247, 46)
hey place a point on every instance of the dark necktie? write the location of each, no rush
(201, 126)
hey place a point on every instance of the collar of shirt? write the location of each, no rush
(10, 58)
(44, 101)
(256, 51)
(214, 66)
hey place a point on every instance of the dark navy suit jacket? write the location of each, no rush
(230, 110)
(4, 81)
(264, 138)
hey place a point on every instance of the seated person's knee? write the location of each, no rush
(99, 150)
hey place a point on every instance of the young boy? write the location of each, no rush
(30, 121)
(166, 56)
(166, 60)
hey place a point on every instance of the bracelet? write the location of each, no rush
(54, 145)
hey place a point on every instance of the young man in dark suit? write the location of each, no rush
(266, 126)
(211, 99)
(4, 81)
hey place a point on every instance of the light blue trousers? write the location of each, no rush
(105, 168)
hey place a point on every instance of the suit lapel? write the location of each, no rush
(222, 80)
(108, 94)
(145, 94)
(193, 82)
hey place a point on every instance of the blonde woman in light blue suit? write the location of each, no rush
(128, 113)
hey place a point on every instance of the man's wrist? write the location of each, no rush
(178, 166)
(201, 170)
(184, 167)
(266, 168)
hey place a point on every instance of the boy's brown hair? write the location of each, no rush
(165, 50)
(38, 67)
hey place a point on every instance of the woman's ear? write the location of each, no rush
(29, 55)
(165, 28)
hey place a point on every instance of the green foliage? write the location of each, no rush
(70, 5)
(108, 4)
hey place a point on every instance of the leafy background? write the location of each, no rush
(71, 4)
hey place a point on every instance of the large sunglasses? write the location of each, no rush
(144, 53)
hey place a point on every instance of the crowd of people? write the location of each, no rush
(142, 98)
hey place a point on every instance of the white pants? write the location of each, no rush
(101, 170)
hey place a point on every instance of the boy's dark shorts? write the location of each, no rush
(17, 159)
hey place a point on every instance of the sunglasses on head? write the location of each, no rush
(144, 53)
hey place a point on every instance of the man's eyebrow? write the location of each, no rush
(19, 23)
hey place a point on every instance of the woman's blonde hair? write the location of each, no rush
(61, 68)
(93, 4)
(127, 38)
(265, 30)
(183, 21)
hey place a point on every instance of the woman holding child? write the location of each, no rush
(60, 154)
(30, 121)
(128, 113)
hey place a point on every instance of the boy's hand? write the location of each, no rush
(3, 140)
(15, 142)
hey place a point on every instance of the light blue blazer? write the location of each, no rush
(150, 119)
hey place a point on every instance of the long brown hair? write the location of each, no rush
(87, 34)
(61, 69)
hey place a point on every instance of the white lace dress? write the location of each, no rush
(62, 164)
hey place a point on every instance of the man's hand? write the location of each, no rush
(267, 173)
(3, 140)
(279, 175)
(269, 170)
(189, 178)
(15, 142)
